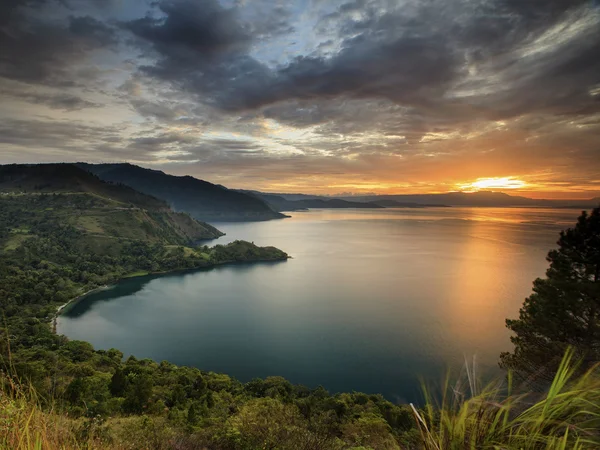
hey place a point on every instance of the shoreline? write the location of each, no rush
(105, 287)
(74, 299)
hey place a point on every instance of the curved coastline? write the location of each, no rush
(105, 287)
(62, 307)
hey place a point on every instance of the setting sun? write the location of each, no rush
(493, 183)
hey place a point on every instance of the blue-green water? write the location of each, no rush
(371, 301)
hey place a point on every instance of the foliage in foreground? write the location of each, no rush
(25, 425)
(566, 416)
(260, 414)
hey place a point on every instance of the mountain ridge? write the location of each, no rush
(66, 194)
(480, 198)
(280, 204)
(201, 199)
(66, 177)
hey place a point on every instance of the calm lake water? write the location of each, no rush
(371, 301)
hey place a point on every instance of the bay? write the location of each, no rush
(372, 301)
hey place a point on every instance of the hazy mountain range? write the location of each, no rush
(481, 198)
(208, 202)
(296, 202)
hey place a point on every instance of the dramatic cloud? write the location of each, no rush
(356, 95)
(36, 50)
(191, 29)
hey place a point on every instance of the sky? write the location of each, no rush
(313, 96)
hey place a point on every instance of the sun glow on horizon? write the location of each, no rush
(493, 183)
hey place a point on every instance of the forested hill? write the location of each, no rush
(68, 178)
(70, 196)
(201, 199)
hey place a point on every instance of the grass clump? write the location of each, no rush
(25, 426)
(565, 416)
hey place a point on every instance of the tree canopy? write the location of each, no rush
(564, 308)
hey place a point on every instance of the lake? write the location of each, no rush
(372, 301)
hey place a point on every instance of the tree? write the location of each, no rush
(78, 350)
(118, 383)
(138, 393)
(76, 390)
(192, 416)
(564, 308)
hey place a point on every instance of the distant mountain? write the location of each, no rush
(295, 197)
(482, 198)
(70, 195)
(279, 203)
(333, 203)
(386, 203)
(290, 202)
(201, 199)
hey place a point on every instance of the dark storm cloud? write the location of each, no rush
(403, 70)
(9, 9)
(461, 60)
(40, 51)
(191, 30)
(202, 48)
(418, 58)
(213, 64)
(92, 30)
(538, 12)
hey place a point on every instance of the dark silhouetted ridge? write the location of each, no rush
(199, 198)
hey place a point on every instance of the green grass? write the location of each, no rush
(24, 425)
(20, 230)
(565, 416)
(90, 224)
(187, 251)
(15, 240)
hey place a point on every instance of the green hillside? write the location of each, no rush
(68, 178)
(32, 195)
